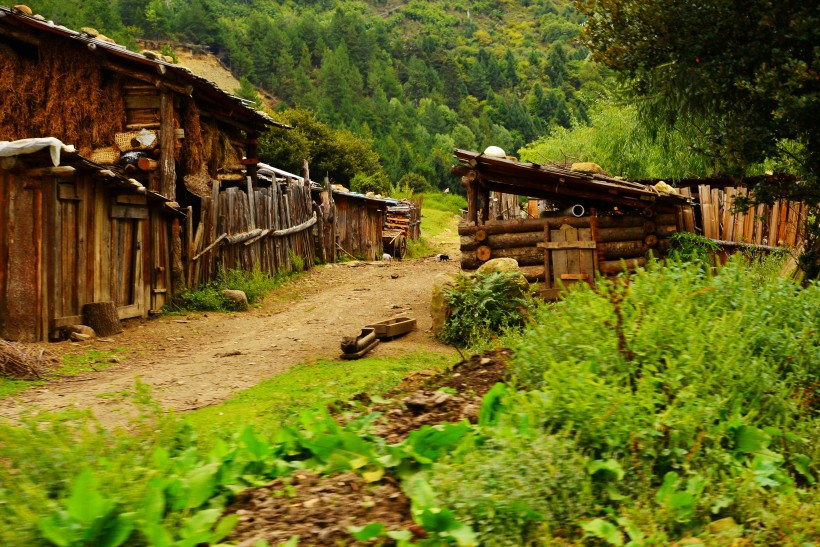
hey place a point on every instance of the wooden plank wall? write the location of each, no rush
(780, 224)
(22, 295)
(504, 206)
(69, 242)
(237, 211)
(359, 225)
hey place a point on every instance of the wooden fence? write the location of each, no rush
(777, 225)
(262, 228)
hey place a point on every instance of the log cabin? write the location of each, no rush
(576, 225)
(592, 224)
(141, 144)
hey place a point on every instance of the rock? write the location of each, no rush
(168, 59)
(439, 309)
(237, 297)
(505, 265)
(148, 54)
(79, 333)
(90, 31)
(23, 9)
(587, 167)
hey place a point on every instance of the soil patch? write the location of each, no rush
(452, 396)
(318, 510)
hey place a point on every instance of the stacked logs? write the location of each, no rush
(623, 240)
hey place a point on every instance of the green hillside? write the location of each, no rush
(417, 78)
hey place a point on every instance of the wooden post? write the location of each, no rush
(167, 166)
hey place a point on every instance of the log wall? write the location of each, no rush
(627, 237)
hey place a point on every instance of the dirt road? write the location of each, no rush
(201, 359)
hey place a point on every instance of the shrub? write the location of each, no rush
(485, 305)
(515, 486)
(700, 388)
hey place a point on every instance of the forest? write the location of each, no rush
(414, 80)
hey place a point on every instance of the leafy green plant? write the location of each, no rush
(693, 247)
(699, 384)
(515, 485)
(88, 517)
(485, 305)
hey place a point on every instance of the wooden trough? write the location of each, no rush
(398, 326)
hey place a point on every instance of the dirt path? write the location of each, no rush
(202, 359)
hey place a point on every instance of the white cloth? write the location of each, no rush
(30, 146)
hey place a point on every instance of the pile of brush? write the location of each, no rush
(18, 361)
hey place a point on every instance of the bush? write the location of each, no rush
(513, 487)
(696, 391)
(485, 305)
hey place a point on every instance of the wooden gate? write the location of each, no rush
(570, 256)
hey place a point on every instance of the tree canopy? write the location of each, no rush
(746, 75)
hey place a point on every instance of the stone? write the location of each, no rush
(505, 265)
(439, 308)
(237, 297)
(90, 31)
(23, 9)
(588, 167)
(79, 333)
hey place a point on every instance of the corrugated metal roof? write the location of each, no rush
(237, 106)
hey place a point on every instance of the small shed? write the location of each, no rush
(359, 224)
(74, 233)
(595, 223)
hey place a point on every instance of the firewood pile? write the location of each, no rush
(404, 216)
(17, 361)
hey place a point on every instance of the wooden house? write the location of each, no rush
(594, 224)
(154, 148)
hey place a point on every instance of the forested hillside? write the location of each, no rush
(418, 78)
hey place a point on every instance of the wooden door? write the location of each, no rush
(68, 255)
(569, 257)
(129, 216)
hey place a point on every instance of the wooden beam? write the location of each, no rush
(168, 175)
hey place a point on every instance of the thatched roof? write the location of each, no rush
(31, 29)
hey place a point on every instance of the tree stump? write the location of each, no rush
(102, 317)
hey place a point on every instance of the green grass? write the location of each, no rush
(310, 386)
(255, 285)
(13, 386)
(452, 203)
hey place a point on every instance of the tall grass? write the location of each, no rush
(255, 284)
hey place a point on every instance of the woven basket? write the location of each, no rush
(128, 141)
(200, 184)
(105, 156)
